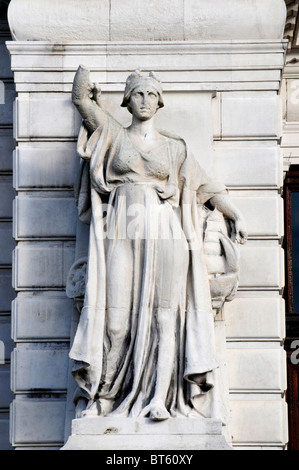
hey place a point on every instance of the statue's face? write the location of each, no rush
(144, 102)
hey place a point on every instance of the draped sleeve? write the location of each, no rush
(93, 150)
(194, 179)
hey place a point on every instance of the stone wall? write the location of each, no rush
(222, 94)
(290, 93)
(7, 94)
(228, 94)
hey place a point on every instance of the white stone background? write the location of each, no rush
(231, 107)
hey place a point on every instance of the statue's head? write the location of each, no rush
(136, 80)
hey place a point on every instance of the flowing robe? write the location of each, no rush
(138, 264)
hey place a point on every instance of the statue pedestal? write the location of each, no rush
(143, 434)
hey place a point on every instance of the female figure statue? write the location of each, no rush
(144, 346)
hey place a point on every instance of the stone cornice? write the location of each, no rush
(128, 47)
(191, 65)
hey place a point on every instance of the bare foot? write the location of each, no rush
(156, 410)
(159, 413)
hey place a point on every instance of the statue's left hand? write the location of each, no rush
(240, 230)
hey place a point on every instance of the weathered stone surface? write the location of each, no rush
(142, 434)
(248, 164)
(256, 368)
(260, 421)
(35, 166)
(7, 292)
(42, 265)
(248, 160)
(261, 266)
(37, 217)
(41, 317)
(251, 115)
(46, 367)
(37, 422)
(58, 21)
(46, 117)
(255, 317)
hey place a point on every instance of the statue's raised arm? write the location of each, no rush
(86, 97)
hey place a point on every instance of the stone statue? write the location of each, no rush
(144, 345)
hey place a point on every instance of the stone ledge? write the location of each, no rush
(142, 434)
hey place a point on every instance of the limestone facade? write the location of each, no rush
(223, 95)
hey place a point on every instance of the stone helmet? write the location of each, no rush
(135, 79)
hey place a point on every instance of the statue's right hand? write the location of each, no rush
(86, 97)
(95, 93)
(82, 85)
(82, 82)
(82, 74)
